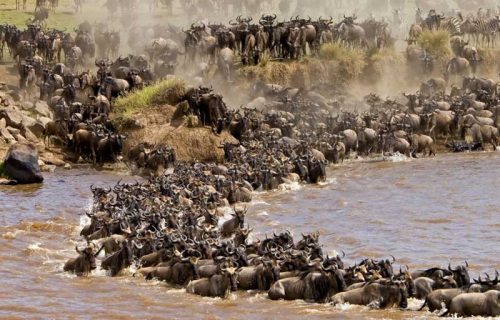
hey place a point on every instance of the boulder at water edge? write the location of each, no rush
(21, 164)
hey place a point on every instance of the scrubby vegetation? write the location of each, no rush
(437, 43)
(336, 64)
(169, 91)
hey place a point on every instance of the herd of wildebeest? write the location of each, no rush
(171, 227)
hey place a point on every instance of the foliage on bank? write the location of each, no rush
(169, 91)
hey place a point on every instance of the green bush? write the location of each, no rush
(168, 91)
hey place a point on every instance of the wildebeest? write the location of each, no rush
(437, 298)
(259, 277)
(425, 285)
(456, 67)
(384, 295)
(476, 304)
(83, 264)
(85, 142)
(109, 147)
(56, 128)
(225, 62)
(112, 87)
(231, 225)
(218, 285)
(118, 260)
(317, 286)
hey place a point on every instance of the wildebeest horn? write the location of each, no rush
(99, 251)
(343, 254)
(466, 264)
(137, 245)
(77, 250)
(393, 259)
(449, 267)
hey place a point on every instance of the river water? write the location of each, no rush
(425, 212)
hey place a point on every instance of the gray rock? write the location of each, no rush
(21, 163)
(30, 135)
(13, 131)
(15, 94)
(48, 168)
(44, 121)
(14, 118)
(27, 105)
(33, 125)
(20, 138)
(42, 108)
(8, 101)
(7, 136)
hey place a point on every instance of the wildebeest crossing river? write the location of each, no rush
(424, 212)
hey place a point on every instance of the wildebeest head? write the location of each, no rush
(88, 255)
(385, 266)
(84, 263)
(240, 216)
(231, 273)
(406, 277)
(272, 269)
(336, 277)
(334, 261)
(461, 275)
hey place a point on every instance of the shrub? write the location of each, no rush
(169, 91)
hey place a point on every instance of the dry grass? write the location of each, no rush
(168, 91)
(489, 65)
(382, 62)
(437, 43)
(336, 63)
(271, 72)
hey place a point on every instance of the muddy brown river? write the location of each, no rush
(425, 212)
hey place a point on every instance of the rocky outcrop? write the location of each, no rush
(21, 164)
(12, 116)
